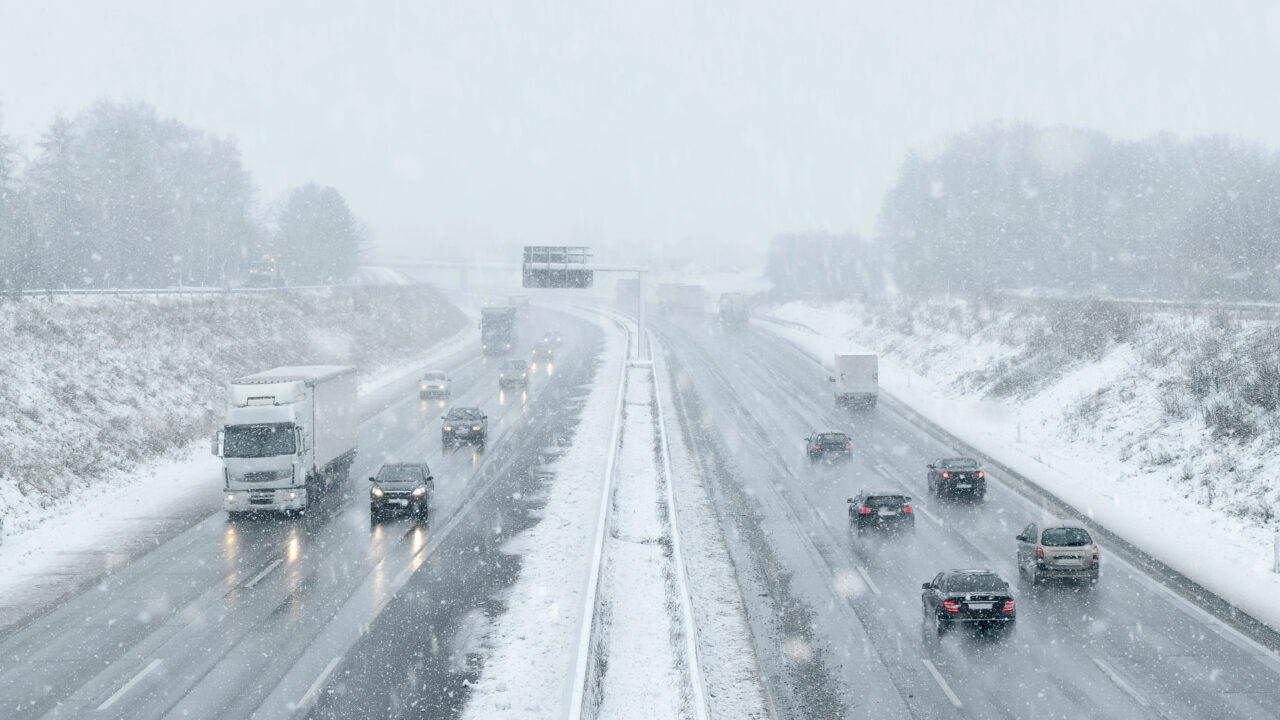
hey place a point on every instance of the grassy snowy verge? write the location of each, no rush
(95, 387)
(1161, 427)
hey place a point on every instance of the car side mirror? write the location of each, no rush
(931, 466)
(373, 479)
(431, 478)
(484, 417)
(850, 501)
(1021, 538)
(927, 586)
(831, 378)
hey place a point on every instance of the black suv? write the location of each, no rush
(881, 510)
(401, 486)
(513, 373)
(822, 446)
(464, 425)
(949, 477)
(977, 598)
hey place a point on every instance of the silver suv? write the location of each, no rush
(1057, 549)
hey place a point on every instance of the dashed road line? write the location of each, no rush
(863, 572)
(319, 683)
(129, 685)
(927, 515)
(265, 571)
(942, 683)
(1120, 682)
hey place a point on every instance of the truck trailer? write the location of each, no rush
(733, 309)
(290, 434)
(497, 329)
(857, 380)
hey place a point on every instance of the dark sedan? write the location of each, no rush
(957, 476)
(828, 446)
(401, 486)
(881, 510)
(976, 598)
(464, 425)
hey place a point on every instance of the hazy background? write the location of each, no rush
(698, 129)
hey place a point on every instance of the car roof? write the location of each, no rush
(970, 571)
(1050, 523)
(404, 463)
(883, 493)
(955, 458)
(465, 410)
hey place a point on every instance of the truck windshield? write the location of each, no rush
(250, 441)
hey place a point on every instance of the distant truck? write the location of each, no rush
(733, 309)
(266, 272)
(676, 298)
(497, 329)
(520, 303)
(857, 380)
(290, 433)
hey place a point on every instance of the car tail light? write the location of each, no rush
(847, 446)
(1008, 606)
(817, 447)
(981, 474)
(906, 509)
(1039, 554)
(864, 510)
(1095, 553)
(950, 606)
(946, 474)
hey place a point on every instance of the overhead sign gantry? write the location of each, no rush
(570, 266)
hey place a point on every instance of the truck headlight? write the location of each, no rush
(448, 428)
(231, 497)
(419, 491)
(293, 495)
(376, 492)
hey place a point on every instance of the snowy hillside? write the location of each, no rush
(1133, 419)
(94, 386)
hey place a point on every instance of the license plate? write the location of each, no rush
(884, 512)
(981, 606)
(1069, 561)
(963, 486)
(401, 503)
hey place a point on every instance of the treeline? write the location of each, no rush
(118, 196)
(1077, 213)
(1061, 211)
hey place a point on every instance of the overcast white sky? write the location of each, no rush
(687, 124)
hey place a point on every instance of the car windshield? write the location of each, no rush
(515, 366)
(463, 414)
(1065, 537)
(958, 464)
(973, 582)
(885, 501)
(252, 441)
(434, 377)
(399, 474)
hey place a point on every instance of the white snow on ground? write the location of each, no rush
(532, 646)
(730, 673)
(642, 668)
(1098, 434)
(54, 550)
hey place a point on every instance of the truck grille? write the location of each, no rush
(260, 476)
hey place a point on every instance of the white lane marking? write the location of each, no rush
(319, 683)
(885, 472)
(258, 578)
(863, 572)
(926, 515)
(1121, 682)
(129, 685)
(937, 677)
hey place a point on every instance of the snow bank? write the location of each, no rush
(1113, 415)
(96, 387)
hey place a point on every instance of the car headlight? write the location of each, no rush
(419, 491)
(448, 428)
(424, 387)
(231, 497)
(524, 374)
(376, 492)
(293, 495)
(475, 427)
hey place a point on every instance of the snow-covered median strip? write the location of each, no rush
(1033, 436)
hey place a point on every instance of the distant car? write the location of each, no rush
(881, 510)
(513, 373)
(977, 598)
(828, 446)
(435, 384)
(464, 425)
(553, 337)
(957, 476)
(542, 351)
(401, 486)
(1058, 549)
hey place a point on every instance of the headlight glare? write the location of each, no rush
(376, 492)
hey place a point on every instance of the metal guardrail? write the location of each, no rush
(1147, 306)
(202, 290)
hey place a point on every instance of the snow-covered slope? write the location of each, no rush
(1162, 427)
(94, 386)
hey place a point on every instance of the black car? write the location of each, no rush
(881, 510)
(977, 598)
(828, 446)
(543, 352)
(957, 476)
(513, 373)
(464, 425)
(401, 486)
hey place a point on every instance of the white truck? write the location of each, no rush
(290, 433)
(857, 380)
